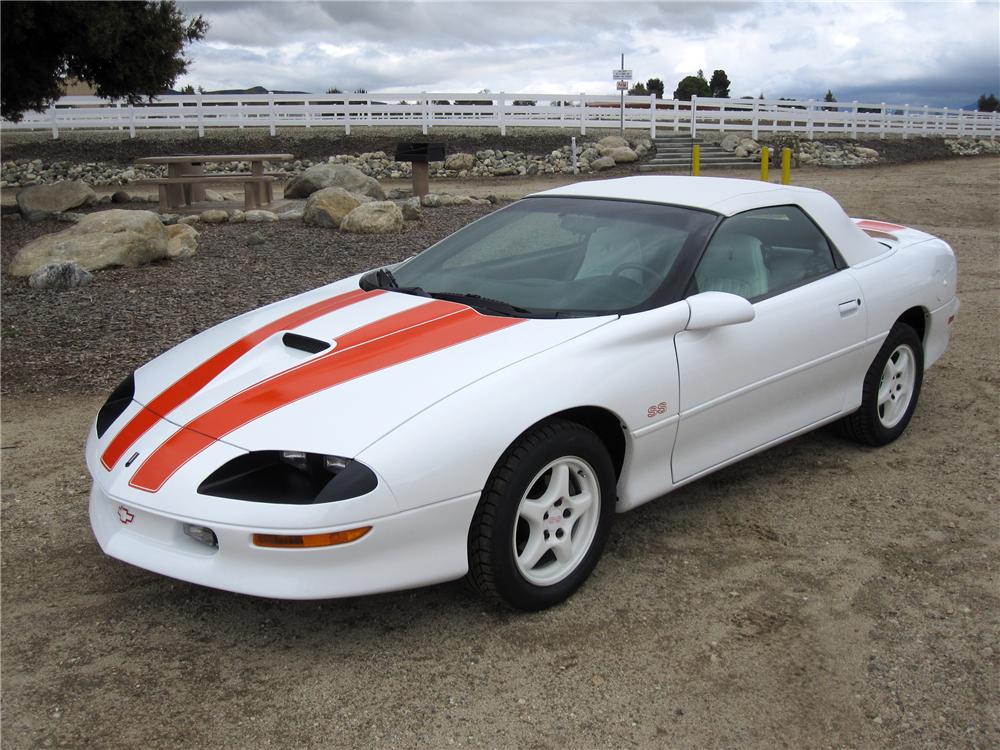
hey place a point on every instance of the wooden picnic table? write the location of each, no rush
(186, 178)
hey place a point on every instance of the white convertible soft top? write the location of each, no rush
(729, 196)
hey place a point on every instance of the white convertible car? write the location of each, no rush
(485, 408)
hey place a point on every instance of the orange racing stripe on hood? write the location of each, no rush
(200, 376)
(391, 341)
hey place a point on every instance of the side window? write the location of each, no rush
(763, 252)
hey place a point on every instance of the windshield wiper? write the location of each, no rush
(493, 305)
(383, 278)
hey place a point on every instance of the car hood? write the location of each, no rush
(387, 357)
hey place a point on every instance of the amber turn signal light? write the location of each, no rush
(302, 541)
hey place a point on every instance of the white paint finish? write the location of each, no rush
(747, 384)
(624, 367)
(715, 309)
(407, 550)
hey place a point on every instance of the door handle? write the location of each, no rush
(849, 307)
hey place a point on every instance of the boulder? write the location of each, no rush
(333, 175)
(612, 141)
(292, 214)
(37, 201)
(255, 239)
(730, 142)
(602, 163)
(431, 200)
(329, 206)
(120, 196)
(182, 241)
(623, 155)
(107, 238)
(237, 216)
(411, 209)
(60, 276)
(215, 196)
(458, 162)
(379, 217)
(260, 215)
(214, 216)
(189, 219)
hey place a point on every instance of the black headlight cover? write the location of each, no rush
(117, 402)
(266, 477)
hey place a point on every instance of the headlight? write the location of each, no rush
(117, 402)
(291, 477)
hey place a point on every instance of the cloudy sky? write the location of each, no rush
(936, 53)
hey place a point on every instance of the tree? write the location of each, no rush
(638, 90)
(655, 86)
(334, 90)
(829, 98)
(988, 103)
(719, 84)
(692, 86)
(189, 89)
(125, 50)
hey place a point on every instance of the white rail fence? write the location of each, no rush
(500, 110)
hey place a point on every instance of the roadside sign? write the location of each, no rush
(621, 75)
(623, 85)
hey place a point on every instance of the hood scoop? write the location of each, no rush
(304, 343)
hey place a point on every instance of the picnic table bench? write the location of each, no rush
(186, 178)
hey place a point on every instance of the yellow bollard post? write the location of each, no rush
(786, 166)
(696, 160)
(765, 162)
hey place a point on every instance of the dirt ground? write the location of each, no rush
(817, 595)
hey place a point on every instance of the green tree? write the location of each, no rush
(719, 84)
(638, 90)
(692, 86)
(125, 50)
(829, 98)
(189, 89)
(334, 90)
(988, 103)
(655, 86)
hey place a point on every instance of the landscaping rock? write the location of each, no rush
(602, 163)
(255, 239)
(38, 201)
(411, 209)
(612, 141)
(260, 215)
(182, 241)
(379, 217)
(107, 238)
(329, 206)
(214, 196)
(730, 142)
(431, 200)
(333, 175)
(60, 276)
(459, 162)
(214, 216)
(292, 214)
(189, 219)
(623, 155)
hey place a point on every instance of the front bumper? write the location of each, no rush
(403, 550)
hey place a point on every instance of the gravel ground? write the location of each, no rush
(819, 595)
(49, 337)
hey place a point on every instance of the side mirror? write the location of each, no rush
(714, 309)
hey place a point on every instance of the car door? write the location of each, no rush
(747, 385)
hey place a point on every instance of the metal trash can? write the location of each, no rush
(420, 155)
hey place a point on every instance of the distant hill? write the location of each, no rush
(251, 90)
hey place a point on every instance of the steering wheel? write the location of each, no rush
(642, 269)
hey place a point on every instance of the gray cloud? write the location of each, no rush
(932, 52)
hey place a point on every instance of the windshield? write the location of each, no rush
(573, 256)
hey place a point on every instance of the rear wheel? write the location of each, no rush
(890, 391)
(543, 518)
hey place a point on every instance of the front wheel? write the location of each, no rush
(543, 518)
(890, 391)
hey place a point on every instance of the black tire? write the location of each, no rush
(869, 425)
(498, 527)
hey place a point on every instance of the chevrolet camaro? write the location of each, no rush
(484, 408)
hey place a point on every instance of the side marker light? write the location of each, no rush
(303, 541)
